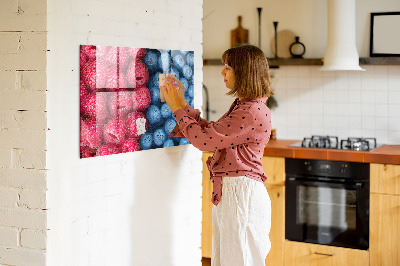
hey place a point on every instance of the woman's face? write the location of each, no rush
(229, 76)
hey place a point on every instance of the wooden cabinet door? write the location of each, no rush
(206, 232)
(385, 178)
(304, 254)
(277, 233)
(274, 168)
(384, 236)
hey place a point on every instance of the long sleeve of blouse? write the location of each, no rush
(238, 139)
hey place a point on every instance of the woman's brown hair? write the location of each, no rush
(250, 66)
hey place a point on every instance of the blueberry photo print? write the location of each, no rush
(120, 106)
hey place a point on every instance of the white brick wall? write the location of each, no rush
(141, 208)
(22, 132)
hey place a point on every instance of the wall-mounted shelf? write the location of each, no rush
(380, 61)
(273, 63)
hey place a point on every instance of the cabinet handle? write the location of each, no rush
(324, 254)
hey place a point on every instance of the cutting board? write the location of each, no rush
(239, 35)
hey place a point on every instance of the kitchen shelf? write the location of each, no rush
(274, 63)
(380, 61)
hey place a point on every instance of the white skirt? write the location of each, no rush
(241, 223)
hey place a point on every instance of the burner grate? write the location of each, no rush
(327, 142)
(358, 144)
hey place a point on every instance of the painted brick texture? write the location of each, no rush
(141, 208)
(23, 132)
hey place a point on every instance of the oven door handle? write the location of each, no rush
(357, 185)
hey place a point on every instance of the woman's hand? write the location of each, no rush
(174, 93)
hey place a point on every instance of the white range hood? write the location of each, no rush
(341, 51)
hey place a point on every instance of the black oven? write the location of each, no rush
(327, 202)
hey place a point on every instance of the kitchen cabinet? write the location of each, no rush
(274, 168)
(305, 254)
(385, 178)
(385, 215)
(206, 226)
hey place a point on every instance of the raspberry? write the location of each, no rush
(90, 134)
(136, 124)
(137, 74)
(86, 152)
(138, 53)
(83, 61)
(111, 57)
(120, 103)
(114, 131)
(92, 77)
(89, 51)
(101, 52)
(141, 99)
(124, 55)
(94, 106)
(107, 149)
(112, 81)
(130, 145)
(84, 91)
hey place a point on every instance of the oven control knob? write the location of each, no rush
(308, 166)
(343, 168)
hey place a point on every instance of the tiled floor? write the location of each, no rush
(206, 261)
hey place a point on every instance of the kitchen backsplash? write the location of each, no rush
(314, 102)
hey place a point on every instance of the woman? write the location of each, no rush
(242, 208)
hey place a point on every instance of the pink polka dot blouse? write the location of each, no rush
(238, 139)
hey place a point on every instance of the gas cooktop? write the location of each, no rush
(332, 142)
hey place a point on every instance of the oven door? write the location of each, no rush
(327, 213)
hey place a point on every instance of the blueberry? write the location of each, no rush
(165, 110)
(185, 83)
(190, 91)
(175, 72)
(146, 141)
(183, 141)
(159, 137)
(151, 60)
(168, 143)
(188, 99)
(154, 115)
(187, 71)
(190, 59)
(164, 61)
(154, 82)
(178, 61)
(155, 95)
(169, 125)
